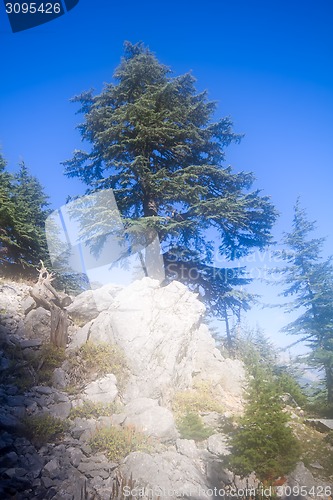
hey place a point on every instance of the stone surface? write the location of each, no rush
(217, 444)
(38, 324)
(90, 303)
(170, 475)
(155, 421)
(103, 390)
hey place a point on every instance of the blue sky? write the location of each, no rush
(269, 65)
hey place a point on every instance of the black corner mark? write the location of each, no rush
(70, 4)
(26, 14)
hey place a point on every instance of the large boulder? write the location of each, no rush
(168, 476)
(167, 346)
(103, 390)
(148, 417)
(90, 303)
(38, 324)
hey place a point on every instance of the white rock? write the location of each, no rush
(217, 444)
(103, 390)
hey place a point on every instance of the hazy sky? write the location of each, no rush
(267, 64)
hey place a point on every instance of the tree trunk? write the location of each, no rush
(46, 296)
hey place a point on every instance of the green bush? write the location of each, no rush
(93, 410)
(117, 443)
(263, 443)
(288, 384)
(96, 360)
(45, 360)
(199, 399)
(190, 426)
(45, 428)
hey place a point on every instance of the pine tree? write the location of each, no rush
(309, 279)
(22, 216)
(263, 442)
(7, 211)
(31, 211)
(154, 143)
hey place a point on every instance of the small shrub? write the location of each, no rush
(190, 426)
(93, 410)
(46, 360)
(199, 399)
(96, 360)
(45, 428)
(329, 438)
(117, 443)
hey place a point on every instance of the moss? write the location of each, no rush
(45, 428)
(190, 426)
(117, 443)
(46, 360)
(315, 447)
(94, 410)
(199, 399)
(96, 360)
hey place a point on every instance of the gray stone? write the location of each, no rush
(9, 460)
(75, 456)
(90, 303)
(15, 401)
(156, 421)
(321, 424)
(187, 447)
(60, 379)
(47, 482)
(60, 410)
(103, 390)
(74, 487)
(169, 474)
(9, 422)
(28, 305)
(217, 444)
(51, 469)
(41, 389)
(27, 344)
(38, 324)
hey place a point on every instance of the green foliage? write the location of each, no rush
(45, 428)
(315, 447)
(95, 360)
(190, 426)
(45, 360)
(117, 443)
(23, 211)
(309, 279)
(93, 410)
(263, 443)
(199, 399)
(154, 143)
(287, 384)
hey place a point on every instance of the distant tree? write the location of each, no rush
(7, 212)
(153, 142)
(263, 442)
(23, 215)
(309, 278)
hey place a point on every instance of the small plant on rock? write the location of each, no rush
(191, 427)
(117, 443)
(96, 360)
(45, 428)
(46, 360)
(93, 410)
(199, 399)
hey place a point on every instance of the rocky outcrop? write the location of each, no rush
(169, 351)
(167, 346)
